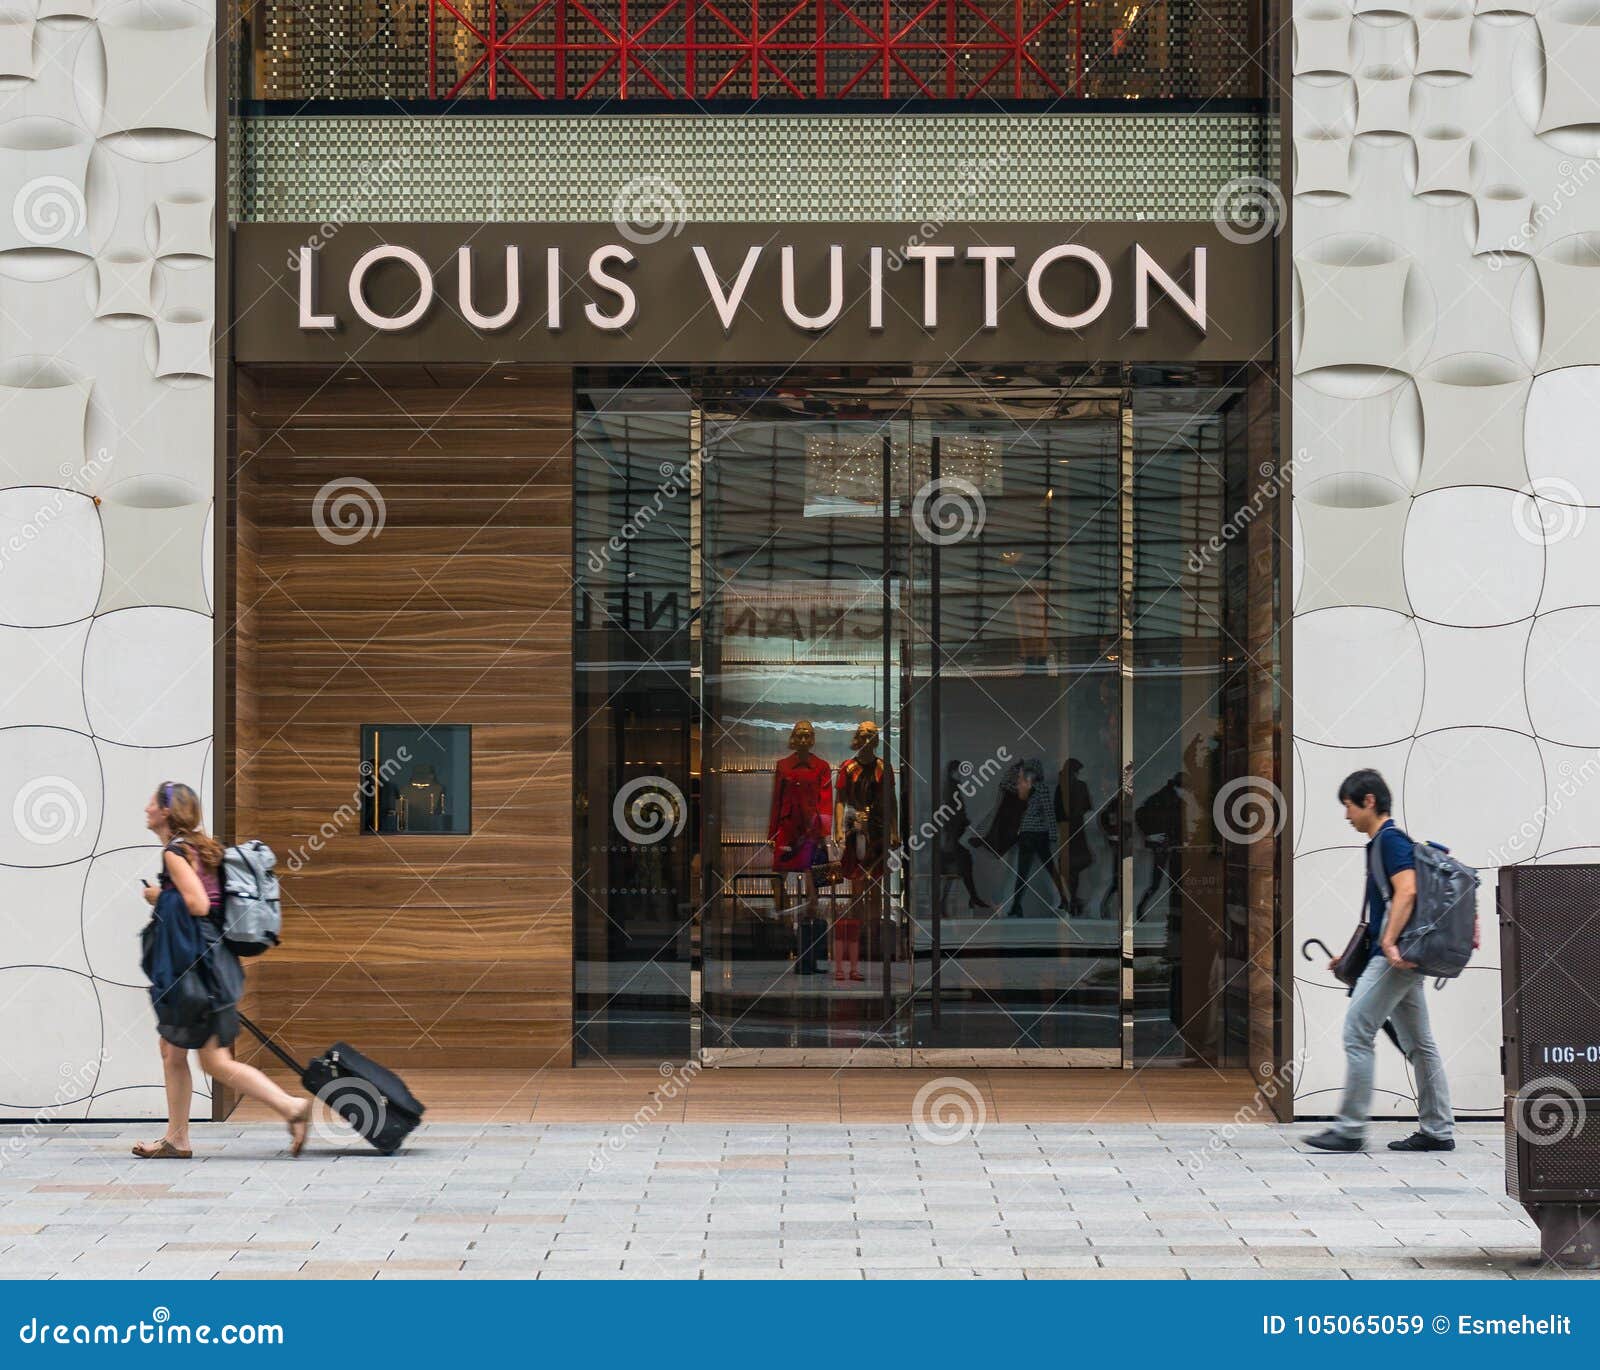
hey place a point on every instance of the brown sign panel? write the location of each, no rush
(749, 293)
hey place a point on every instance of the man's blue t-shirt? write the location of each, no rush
(1396, 852)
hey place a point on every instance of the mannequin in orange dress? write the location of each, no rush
(864, 793)
(798, 824)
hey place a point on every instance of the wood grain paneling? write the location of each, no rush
(428, 950)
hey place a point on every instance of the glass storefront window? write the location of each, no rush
(904, 709)
(416, 780)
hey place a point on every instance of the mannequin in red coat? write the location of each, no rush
(798, 824)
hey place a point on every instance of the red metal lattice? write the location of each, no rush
(789, 49)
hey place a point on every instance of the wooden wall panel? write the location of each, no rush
(426, 950)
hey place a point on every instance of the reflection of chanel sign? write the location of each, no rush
(1066, 286)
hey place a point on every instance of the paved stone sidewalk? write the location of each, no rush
(685, 1201)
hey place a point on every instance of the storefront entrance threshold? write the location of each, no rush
(895, 1095)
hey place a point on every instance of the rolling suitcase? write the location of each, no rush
(372, 1099)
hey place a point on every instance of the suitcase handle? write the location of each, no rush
(273, 1047)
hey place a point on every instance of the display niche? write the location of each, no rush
(416, 779)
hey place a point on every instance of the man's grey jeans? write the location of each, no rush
(1386, 994)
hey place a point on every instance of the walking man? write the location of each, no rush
(1389, 990)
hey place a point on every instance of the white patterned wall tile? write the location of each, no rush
(38, 915)
(1322, 162)
(17, 58)
(1444, 40)
(1351, 313)
(1320, 770)
(1444, 160)
(1383, 99)
(43, 427)
(43, 683)
(124, 288)
(183, 226)
(1472, 417)
(53, 575)
(140, 40)
(1322, 40)
(1571, 815)
(1451, 774)
(1569, 283)
(1559, 435)
(152, 554)
(147, 675)
(107, 164)
(1563, 676)
(1474, 556)
(51, 1022)
(50, 786)
(1352, 552)
(1358, 677)
(131, 775)
(1474, 677)
(1465, 1016)
(1504, 220)
(1571, 43)
(114, 911)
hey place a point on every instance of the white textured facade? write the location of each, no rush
(108, 123)
(1446, 393)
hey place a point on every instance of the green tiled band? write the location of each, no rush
(966, 168)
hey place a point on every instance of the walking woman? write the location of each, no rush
(195, 981)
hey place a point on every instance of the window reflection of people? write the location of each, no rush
(1074, 809)
(1160, 820)
(1025, 818)
(953, 848)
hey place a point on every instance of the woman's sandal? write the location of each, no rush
(160, 1151)
(299, 1130)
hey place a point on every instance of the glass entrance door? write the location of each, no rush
(1014, 544)
(805, 942)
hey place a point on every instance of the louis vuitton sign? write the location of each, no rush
(749, 293)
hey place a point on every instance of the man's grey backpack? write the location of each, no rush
(1442, 931)
(252, 917)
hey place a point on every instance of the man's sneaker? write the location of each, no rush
(1333, 1141)
(1420, 1141)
